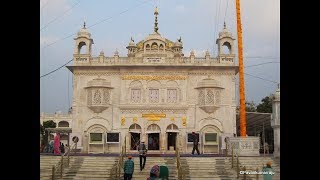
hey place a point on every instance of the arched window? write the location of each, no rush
(172, 92)
(82, 48)
(135, 127)
(63, 124)
(161, 47)
(154, 94)
(154, 46)
(148, 47)
(172, 127)
(136, 87)
(153, 127)
(226, 48)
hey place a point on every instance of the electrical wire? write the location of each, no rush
(262, 64)
(46, 25)
(262, 78)
(56, 69)
(96, 24)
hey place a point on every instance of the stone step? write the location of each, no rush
(100, 167)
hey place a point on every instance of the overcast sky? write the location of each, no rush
(198, 22)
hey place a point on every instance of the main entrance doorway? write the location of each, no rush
(135, 140)
(172, 132)
(172, 136)
(153, 141)
(134, 132)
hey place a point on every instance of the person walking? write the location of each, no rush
(142, 154)
(195, 143)
(128, 168)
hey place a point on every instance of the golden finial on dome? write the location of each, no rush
(156, 20)
(156, 11)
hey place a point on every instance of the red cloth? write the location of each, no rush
(56, 144)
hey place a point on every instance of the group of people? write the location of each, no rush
(55, 146)
(156, 172)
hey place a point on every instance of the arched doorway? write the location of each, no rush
(172, 132)
(63, 136)
(96, 141)
(153, 132)
(210, 139)
(63, 124)
(135, 136)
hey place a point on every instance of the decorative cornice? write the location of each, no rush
(153, 107)
(92, 73)
(141, 77)
(211, 73)
(178, 75)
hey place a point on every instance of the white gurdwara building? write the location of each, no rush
(155, 94)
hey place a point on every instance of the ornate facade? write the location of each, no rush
(154, 94)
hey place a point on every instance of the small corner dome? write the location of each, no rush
(277, 94)
(225, 32)
(131, 43)
(84, 31)
(177, 43)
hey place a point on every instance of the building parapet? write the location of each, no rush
(111, 61)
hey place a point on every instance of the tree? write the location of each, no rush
(250, 107)
(41, 129)
(266, 105)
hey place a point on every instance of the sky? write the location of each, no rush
(113, 22)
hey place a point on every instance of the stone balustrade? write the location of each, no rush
(110, 61)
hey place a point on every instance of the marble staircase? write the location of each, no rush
(90, 167)
(46, 163)
(196, 168)
(215, 168)
(251, 163)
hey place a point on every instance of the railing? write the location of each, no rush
(234, 156)
(127, 61)
(116, 170)
(57, 170)
(181, 171)
(235, 164)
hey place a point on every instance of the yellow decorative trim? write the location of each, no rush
(154, 117)
(172, 118)
(137, 77)
(135, 119)
(123, 120)
(184, 121)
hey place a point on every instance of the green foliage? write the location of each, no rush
(49, 124)
(266, 105)
(46, 124)
(251, 107)
(41, 129)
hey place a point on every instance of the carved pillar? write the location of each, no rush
(85, 142)
(180, 145)
(275, 122)
(68, 139)
(145, 138)
(163, 141)
(128, 144)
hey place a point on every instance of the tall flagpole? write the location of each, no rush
(243, 130)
